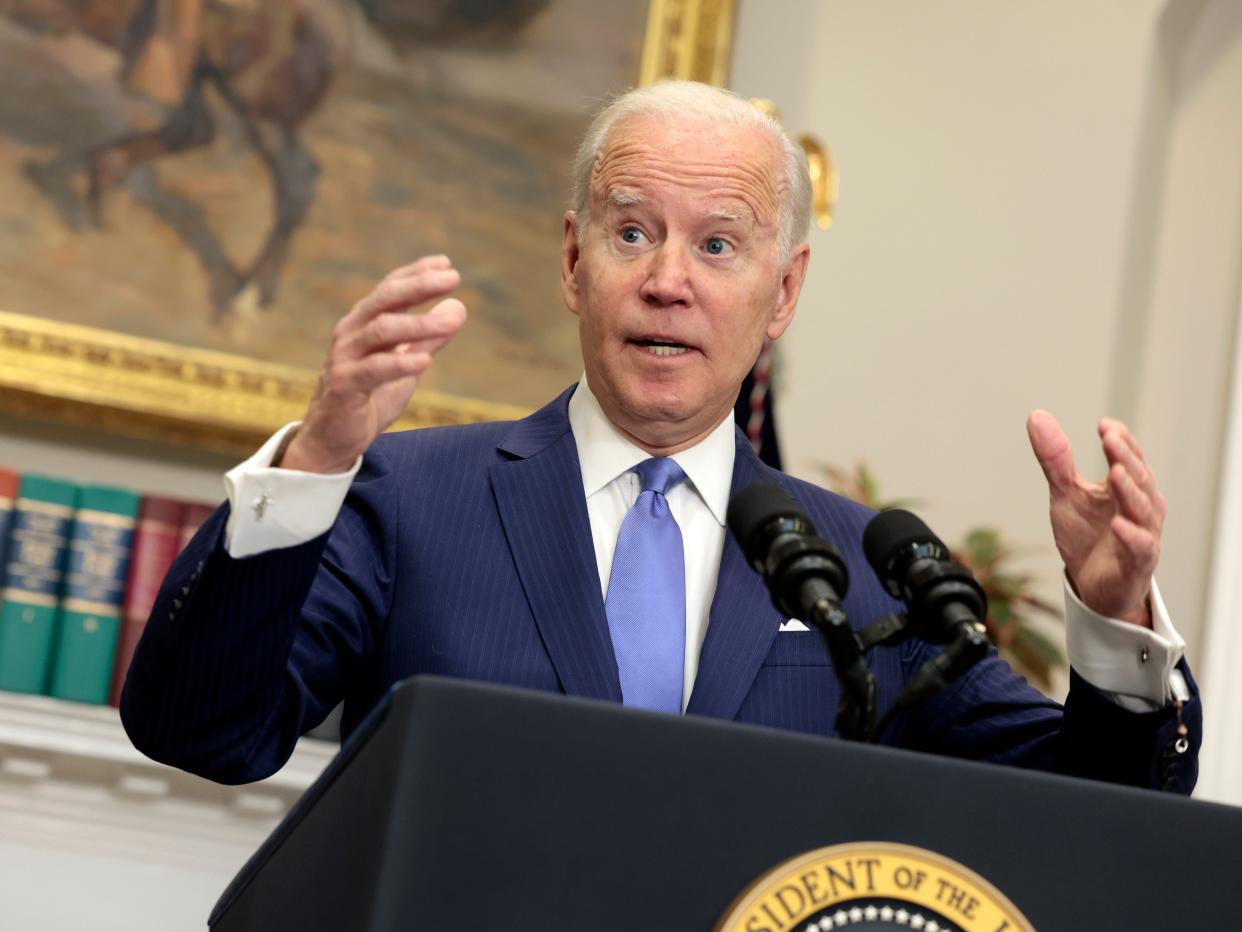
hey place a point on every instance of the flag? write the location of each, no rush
(753, 410)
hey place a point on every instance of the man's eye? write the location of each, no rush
(632, 235)
(716, 246)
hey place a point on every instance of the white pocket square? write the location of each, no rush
(793, 624)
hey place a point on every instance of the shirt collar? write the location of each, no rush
(604, 453)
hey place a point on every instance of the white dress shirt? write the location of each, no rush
(698, 505)
(271, 508)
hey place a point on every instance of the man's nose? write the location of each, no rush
(668, 276)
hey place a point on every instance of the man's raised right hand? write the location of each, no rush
(377, 355)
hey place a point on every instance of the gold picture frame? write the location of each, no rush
(152, 389)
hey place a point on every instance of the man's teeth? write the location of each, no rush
(657, 348)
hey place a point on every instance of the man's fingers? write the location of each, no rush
(1119, 444)
(364, 376)
(1132, 501)
(425, 264)
(399, 294)
(429, 331)
(1052, 450)
(1120, 448)
(1141, 548)
(1110, 425)
(394, 346)
(1121, 454)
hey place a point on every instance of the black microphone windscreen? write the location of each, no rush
(754, 508)
(891, 532)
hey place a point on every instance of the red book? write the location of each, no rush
(157, 541)
(192, 519)
(9, 483)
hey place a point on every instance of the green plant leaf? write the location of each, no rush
(1047, 649)
(983, 545)
(1031, 664)
(1000, 610)
(1040, 605)
(866, 482)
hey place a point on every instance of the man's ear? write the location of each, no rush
(792, 278)
(569, 261)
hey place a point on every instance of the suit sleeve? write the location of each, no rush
(992, 714)
(241, 656)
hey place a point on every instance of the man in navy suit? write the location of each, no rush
(346, 561)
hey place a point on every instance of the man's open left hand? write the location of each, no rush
(1108, 532)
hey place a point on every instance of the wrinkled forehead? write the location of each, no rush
(721, 163)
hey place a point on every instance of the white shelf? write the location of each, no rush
(69, 778)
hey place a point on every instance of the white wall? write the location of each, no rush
(1187, 325)
(984, 152)
(109, 894)
(1220, 774)
(1193, 345)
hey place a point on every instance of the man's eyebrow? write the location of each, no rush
(735, 216)
(622, 199)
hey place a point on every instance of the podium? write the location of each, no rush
(458, 805)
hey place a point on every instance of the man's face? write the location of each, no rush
(679, 276)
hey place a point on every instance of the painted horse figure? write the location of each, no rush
(271, 62)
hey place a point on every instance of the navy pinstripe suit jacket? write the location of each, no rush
(466, 551)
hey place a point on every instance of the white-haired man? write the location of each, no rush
(583, 549)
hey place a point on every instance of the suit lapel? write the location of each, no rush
(538, 493)
(743, 622)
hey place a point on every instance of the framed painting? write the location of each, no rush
(192, 192)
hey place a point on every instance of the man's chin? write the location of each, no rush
(661, 420)
(662, 405)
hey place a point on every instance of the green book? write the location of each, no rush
(38, 540)
(89, 620)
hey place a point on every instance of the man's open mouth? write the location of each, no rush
(662, 347)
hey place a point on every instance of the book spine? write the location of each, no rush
(157, 541)
(38, 540)
(89, 621)
(10, 481)
(192, 519)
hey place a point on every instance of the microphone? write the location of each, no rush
(807, 580)
(779, 541)
(914, 565)
(945, 602)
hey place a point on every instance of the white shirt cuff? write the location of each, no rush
(271, 508)
(1134, 666)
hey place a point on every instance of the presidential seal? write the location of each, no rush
(872, 885)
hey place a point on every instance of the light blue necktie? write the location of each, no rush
(646, 603)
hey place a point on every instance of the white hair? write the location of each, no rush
(690, 101)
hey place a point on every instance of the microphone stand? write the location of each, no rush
(856, 710)
(967, 647)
